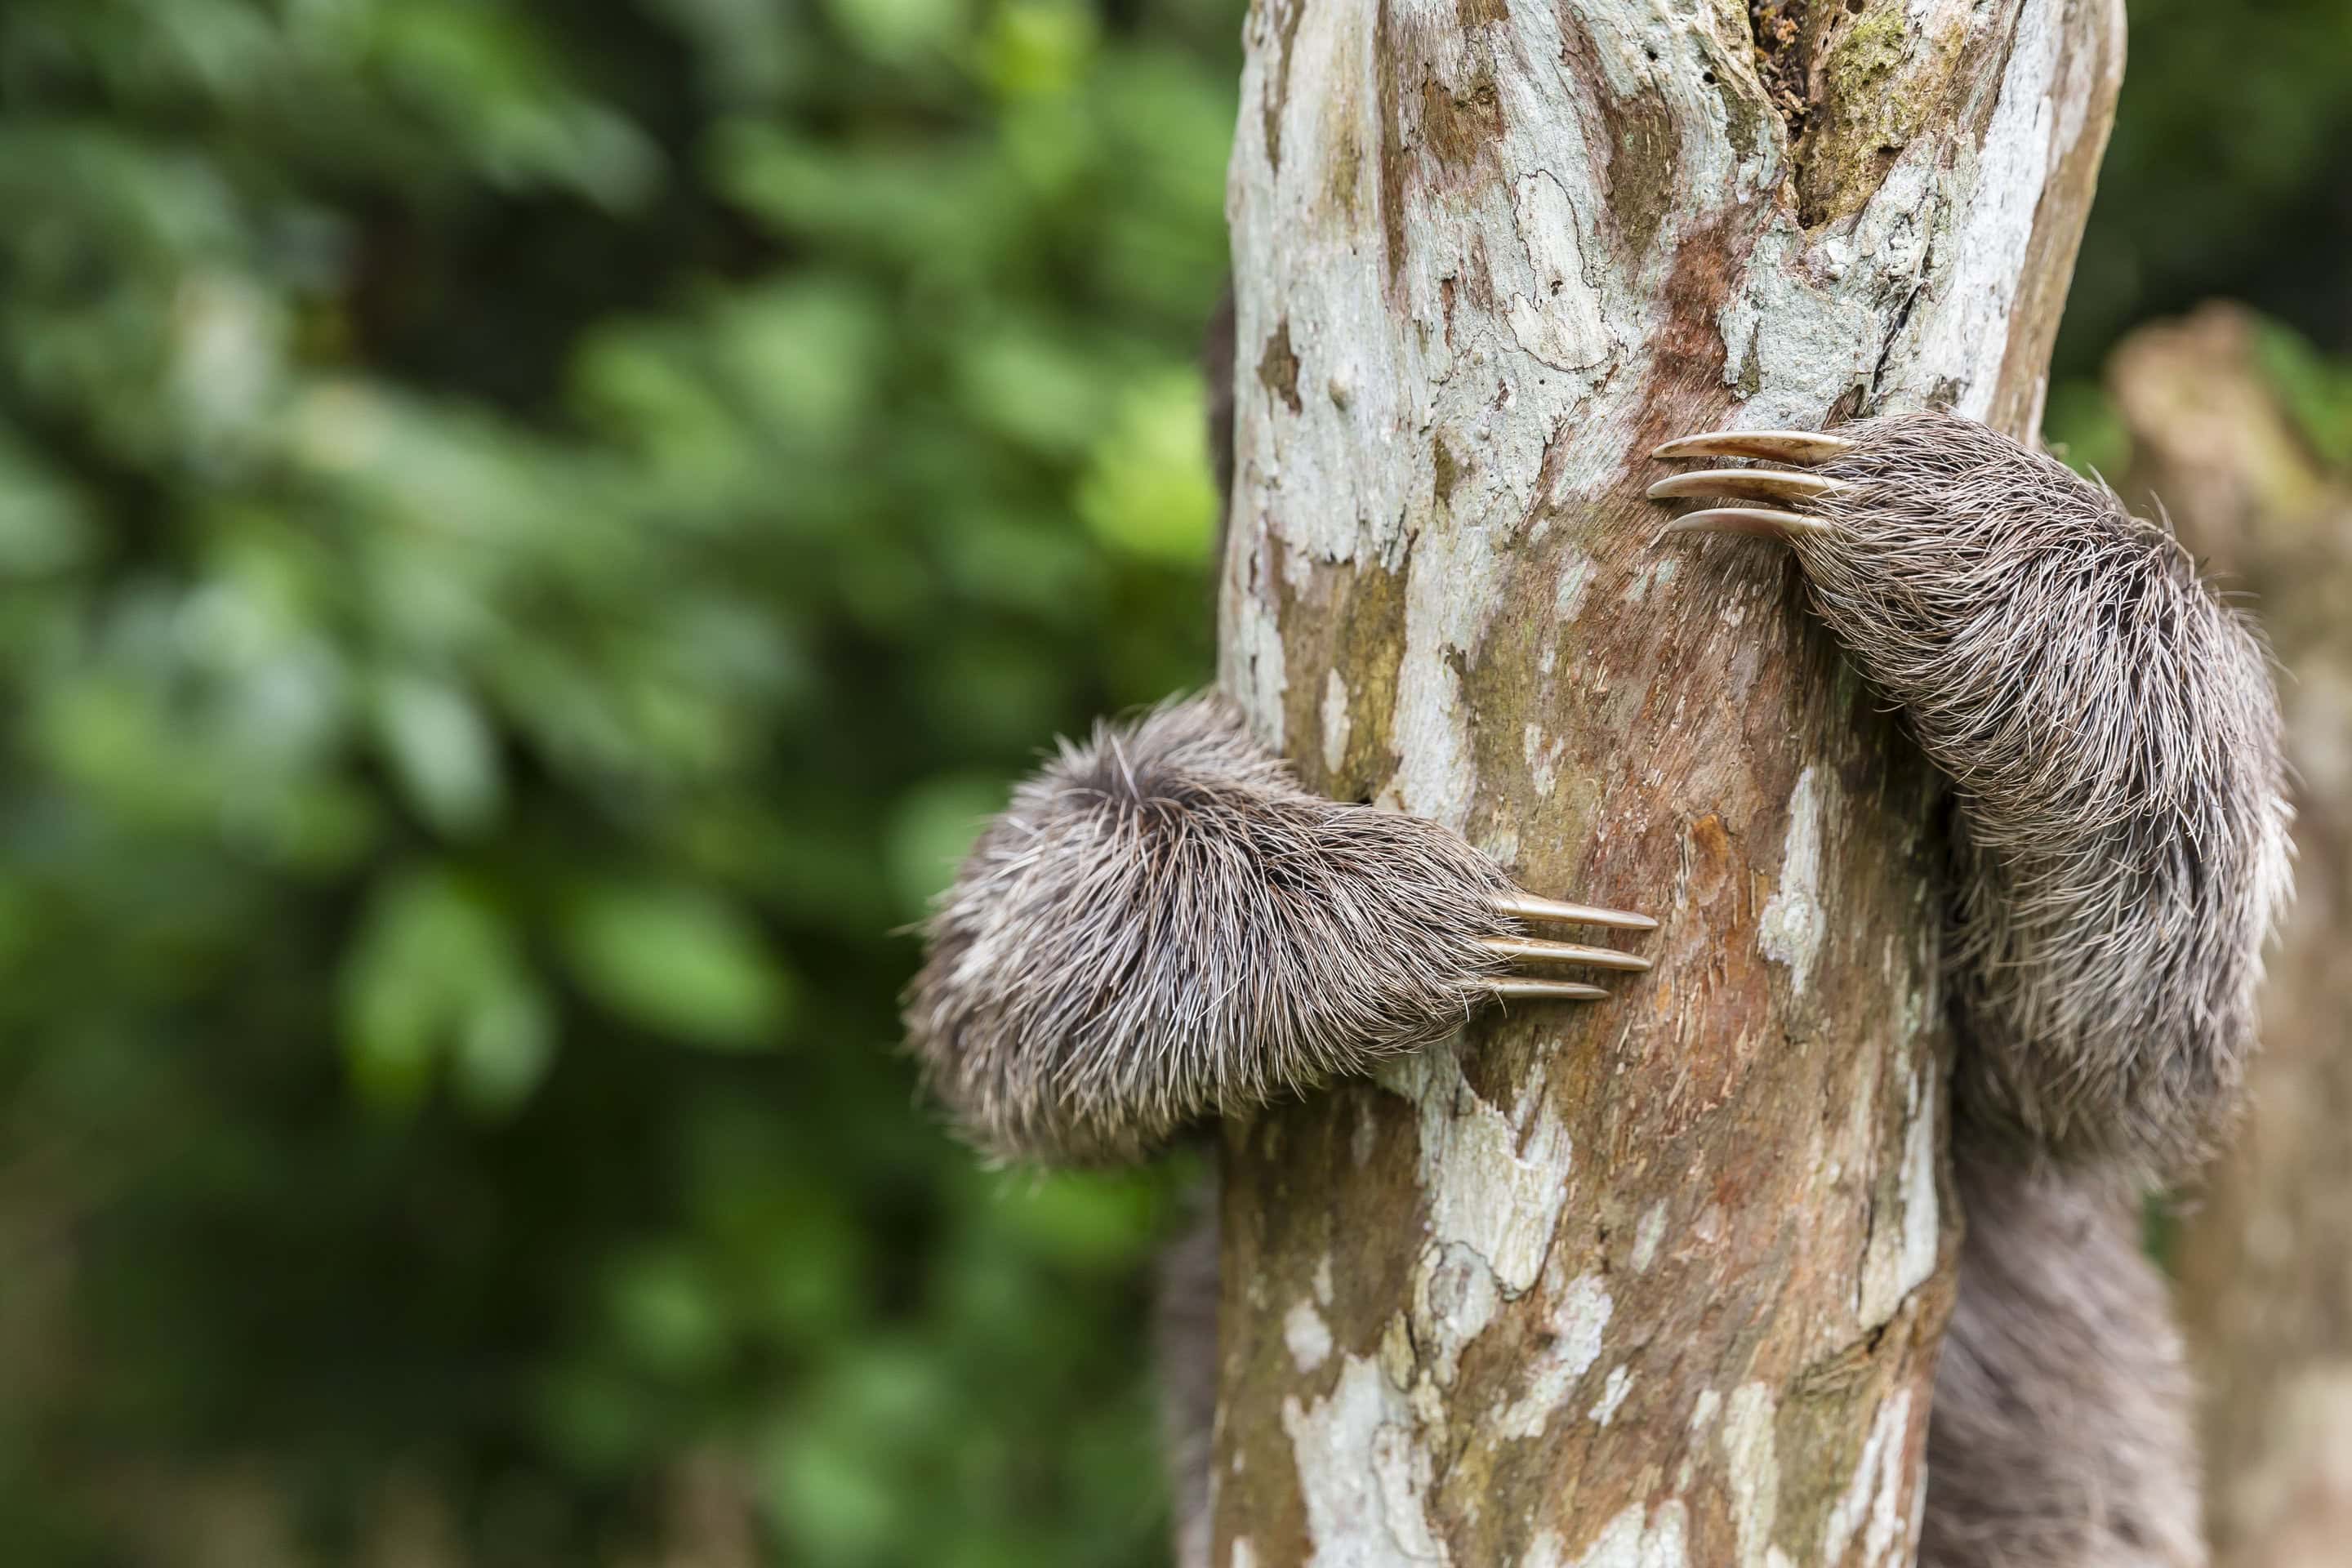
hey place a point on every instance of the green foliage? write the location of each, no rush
(2228, 175)
(531, 534)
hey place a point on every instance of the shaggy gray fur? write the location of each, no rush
(2111, 733)
(1163, 925)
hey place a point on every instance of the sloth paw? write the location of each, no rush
(2109, 724)
(2028, 623)
(1164, 924)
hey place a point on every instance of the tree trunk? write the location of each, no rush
(1658, 1281)
(2266, 1293)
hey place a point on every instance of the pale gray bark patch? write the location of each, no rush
(1494, 1180)
(1634, 1538)
(1364, 1502)
(1304, 1331)
(1870, 1513)
(1574, 1344)
(1794, 921)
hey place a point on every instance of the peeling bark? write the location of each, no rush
(1656, 1281)
(2265, 1296)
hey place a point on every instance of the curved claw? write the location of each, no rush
(1786, 526)
(1515, 990)
(1772, 446)
(1751, 484)
(1521, 950)
(1528, 907)
(1540, 949)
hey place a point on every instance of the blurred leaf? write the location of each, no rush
(480, 72)
(2318, 392)
(1093, 1221)
(677, 961)
(901, 31)
(44, 526)
(668, 1317)
(1146, 488)
(506, 1047)
(434, 973)
(932, 828)
(823, 1501)
(806, 358)
(1033, 49)
(1032, 387)
(928, 204)
(2086, 429)
(745, 45)
(443, 751)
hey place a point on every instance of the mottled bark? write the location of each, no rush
(2265, 1258)
(1659, 1280)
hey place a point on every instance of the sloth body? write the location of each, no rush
(1164, 928)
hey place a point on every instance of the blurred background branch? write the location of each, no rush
(2248, 437)
(531, 531)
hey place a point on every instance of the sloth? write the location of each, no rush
(1164, 927)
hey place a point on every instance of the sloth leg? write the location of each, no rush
(1164, 926)
(2111, 735)
(2059, 1435)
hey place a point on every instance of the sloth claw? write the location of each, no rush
(1798, 447)
(1543, 951)
(1517, 990)
(1763, 521)
(1772, 446)
(1528, 907)
(1746, 484)
(1524, 950)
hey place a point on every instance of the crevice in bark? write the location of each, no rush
(1279, 95)
(1778, 28)
(1853, 82)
